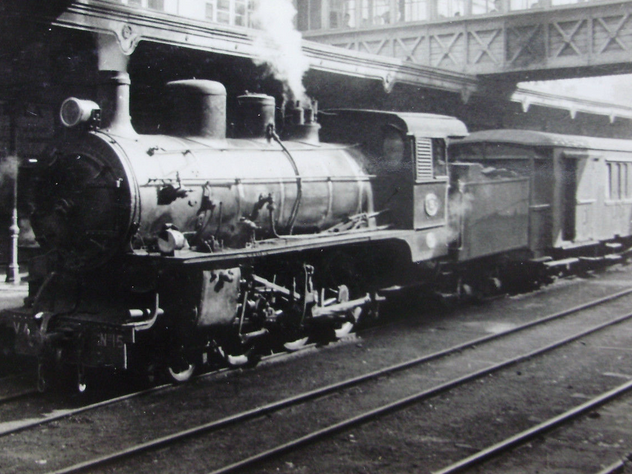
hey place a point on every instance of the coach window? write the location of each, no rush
(618, 181)
(613, 181)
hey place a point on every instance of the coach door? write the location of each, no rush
(569, 196)
(578, 198)
(540, 215)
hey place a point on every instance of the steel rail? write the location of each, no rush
(614, 468)
(295, 400)
(505, 445)
(459, 347)
(18, 396)
(61, 414)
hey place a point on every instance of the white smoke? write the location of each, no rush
(278, 45)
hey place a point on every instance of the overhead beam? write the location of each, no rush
(573, 105)
(130, 26)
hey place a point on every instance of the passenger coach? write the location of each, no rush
(579, 189)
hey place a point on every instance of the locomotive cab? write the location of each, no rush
(407, 155)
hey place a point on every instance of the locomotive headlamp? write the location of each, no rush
(431, 204)
(76, 111)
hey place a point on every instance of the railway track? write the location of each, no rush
(505, 446)
(334, 390)
(30, 405)
(425, 395)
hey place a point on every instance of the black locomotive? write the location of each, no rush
(163, 252)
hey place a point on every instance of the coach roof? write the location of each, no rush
(536, 138)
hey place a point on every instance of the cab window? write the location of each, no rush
(394, 153)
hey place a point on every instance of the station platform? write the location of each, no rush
(21, 286)
(12, 294)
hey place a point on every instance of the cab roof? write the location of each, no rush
(418, 124)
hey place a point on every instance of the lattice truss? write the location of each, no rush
(567, 38)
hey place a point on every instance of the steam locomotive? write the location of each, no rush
(165, 252)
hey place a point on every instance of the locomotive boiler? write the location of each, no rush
(193, 182)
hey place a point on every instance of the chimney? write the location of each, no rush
(113, 98)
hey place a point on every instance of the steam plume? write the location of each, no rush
(279, 45)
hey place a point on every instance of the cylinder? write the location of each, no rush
(255, 113)
(198, 109)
